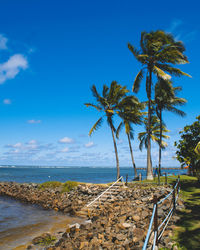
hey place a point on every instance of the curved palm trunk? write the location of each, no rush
(160, 143)
(149, 163)
(134, 167)
(116, 154)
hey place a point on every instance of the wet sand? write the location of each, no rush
(28, 223)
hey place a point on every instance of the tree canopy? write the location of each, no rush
(185, 154)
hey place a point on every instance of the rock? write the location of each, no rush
(136, 218)
(40, 239)
(83, 244)
(138, 234)
(126, 225)
(118, 222)
(76, 225)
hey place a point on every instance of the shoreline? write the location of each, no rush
(121, 222)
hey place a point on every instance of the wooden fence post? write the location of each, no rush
(165, 178)
(155, 200)
(126, 180)
(140, 177)
(174, 198)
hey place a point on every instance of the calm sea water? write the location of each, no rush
(19, 222)
(82, 174)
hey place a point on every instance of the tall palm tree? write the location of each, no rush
(111, 101)
(131, 114)
(166, 99)
(158, 53)
(155, 134)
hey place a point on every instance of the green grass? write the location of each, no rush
(187, 234)
(47, 240)
(150, 183)
(50, 184)
(64, 187)
(69, 185)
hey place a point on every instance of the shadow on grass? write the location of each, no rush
(188, 233)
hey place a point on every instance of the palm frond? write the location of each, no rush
(133, 50)
(105, 90)
(137, 81)
(110, 123)
(142, 42)
(131, 133)
(142, 137)
(160, 73)
(119, 129)
(172, 70)
(176, 111)
(96, 126)
(95, 92)
(93, 105)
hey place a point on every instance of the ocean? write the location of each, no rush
(24, 174)
(20, 222)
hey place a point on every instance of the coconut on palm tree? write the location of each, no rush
(131, 114)
(158, 53)
(112, 100)
(166, 100)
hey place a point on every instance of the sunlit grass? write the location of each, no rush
(187, 234)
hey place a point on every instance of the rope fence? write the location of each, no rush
(158, 230)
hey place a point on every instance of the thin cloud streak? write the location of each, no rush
(7, 101)
(34, 121)
(3, 42)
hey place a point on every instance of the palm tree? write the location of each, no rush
(111, 101)
(166, 99)
(130, 114)
(158, 53)
(155, 134)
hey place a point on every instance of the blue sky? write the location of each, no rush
(51, 52)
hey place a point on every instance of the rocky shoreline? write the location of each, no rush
(121, 223)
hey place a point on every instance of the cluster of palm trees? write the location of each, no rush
(159, 52)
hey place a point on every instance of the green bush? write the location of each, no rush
(47, 240)
(50, 184)
(69, 185)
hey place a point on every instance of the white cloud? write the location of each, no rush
(89, 144)
(12, 67)
(3, 42)
(17, 145)
(7, 101)
(34, 121)
(66, 140)
(31, 142)
(119, 142)
(64, 150)
(16, 151)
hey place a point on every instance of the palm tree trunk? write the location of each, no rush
(160, 143)
(134, 167)
(116, 154)
(149, 163)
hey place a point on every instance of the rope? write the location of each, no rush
(154, 240)
(149, 230)
(166, 220)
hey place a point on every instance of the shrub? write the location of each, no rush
(47, 240)
(50, 184)
(69, 185)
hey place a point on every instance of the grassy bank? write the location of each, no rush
(187, 230)
(187, 233)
